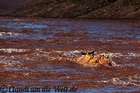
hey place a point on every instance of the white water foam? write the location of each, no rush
(67, 55)
(118, 81)
(132, 80)
(2, 34)
(13, 50)
(130, 54)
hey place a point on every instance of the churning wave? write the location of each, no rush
(72, 53)
(61, 55)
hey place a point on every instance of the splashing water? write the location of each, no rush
(41, 53)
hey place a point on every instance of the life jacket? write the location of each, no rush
(87, 59)
(96, 60)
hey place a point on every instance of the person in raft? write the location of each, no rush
(93, 60)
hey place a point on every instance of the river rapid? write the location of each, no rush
(38, 53)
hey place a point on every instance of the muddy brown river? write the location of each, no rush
(38, 53)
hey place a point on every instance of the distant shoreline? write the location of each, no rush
(26, 17)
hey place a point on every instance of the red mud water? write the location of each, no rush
(38, 53)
